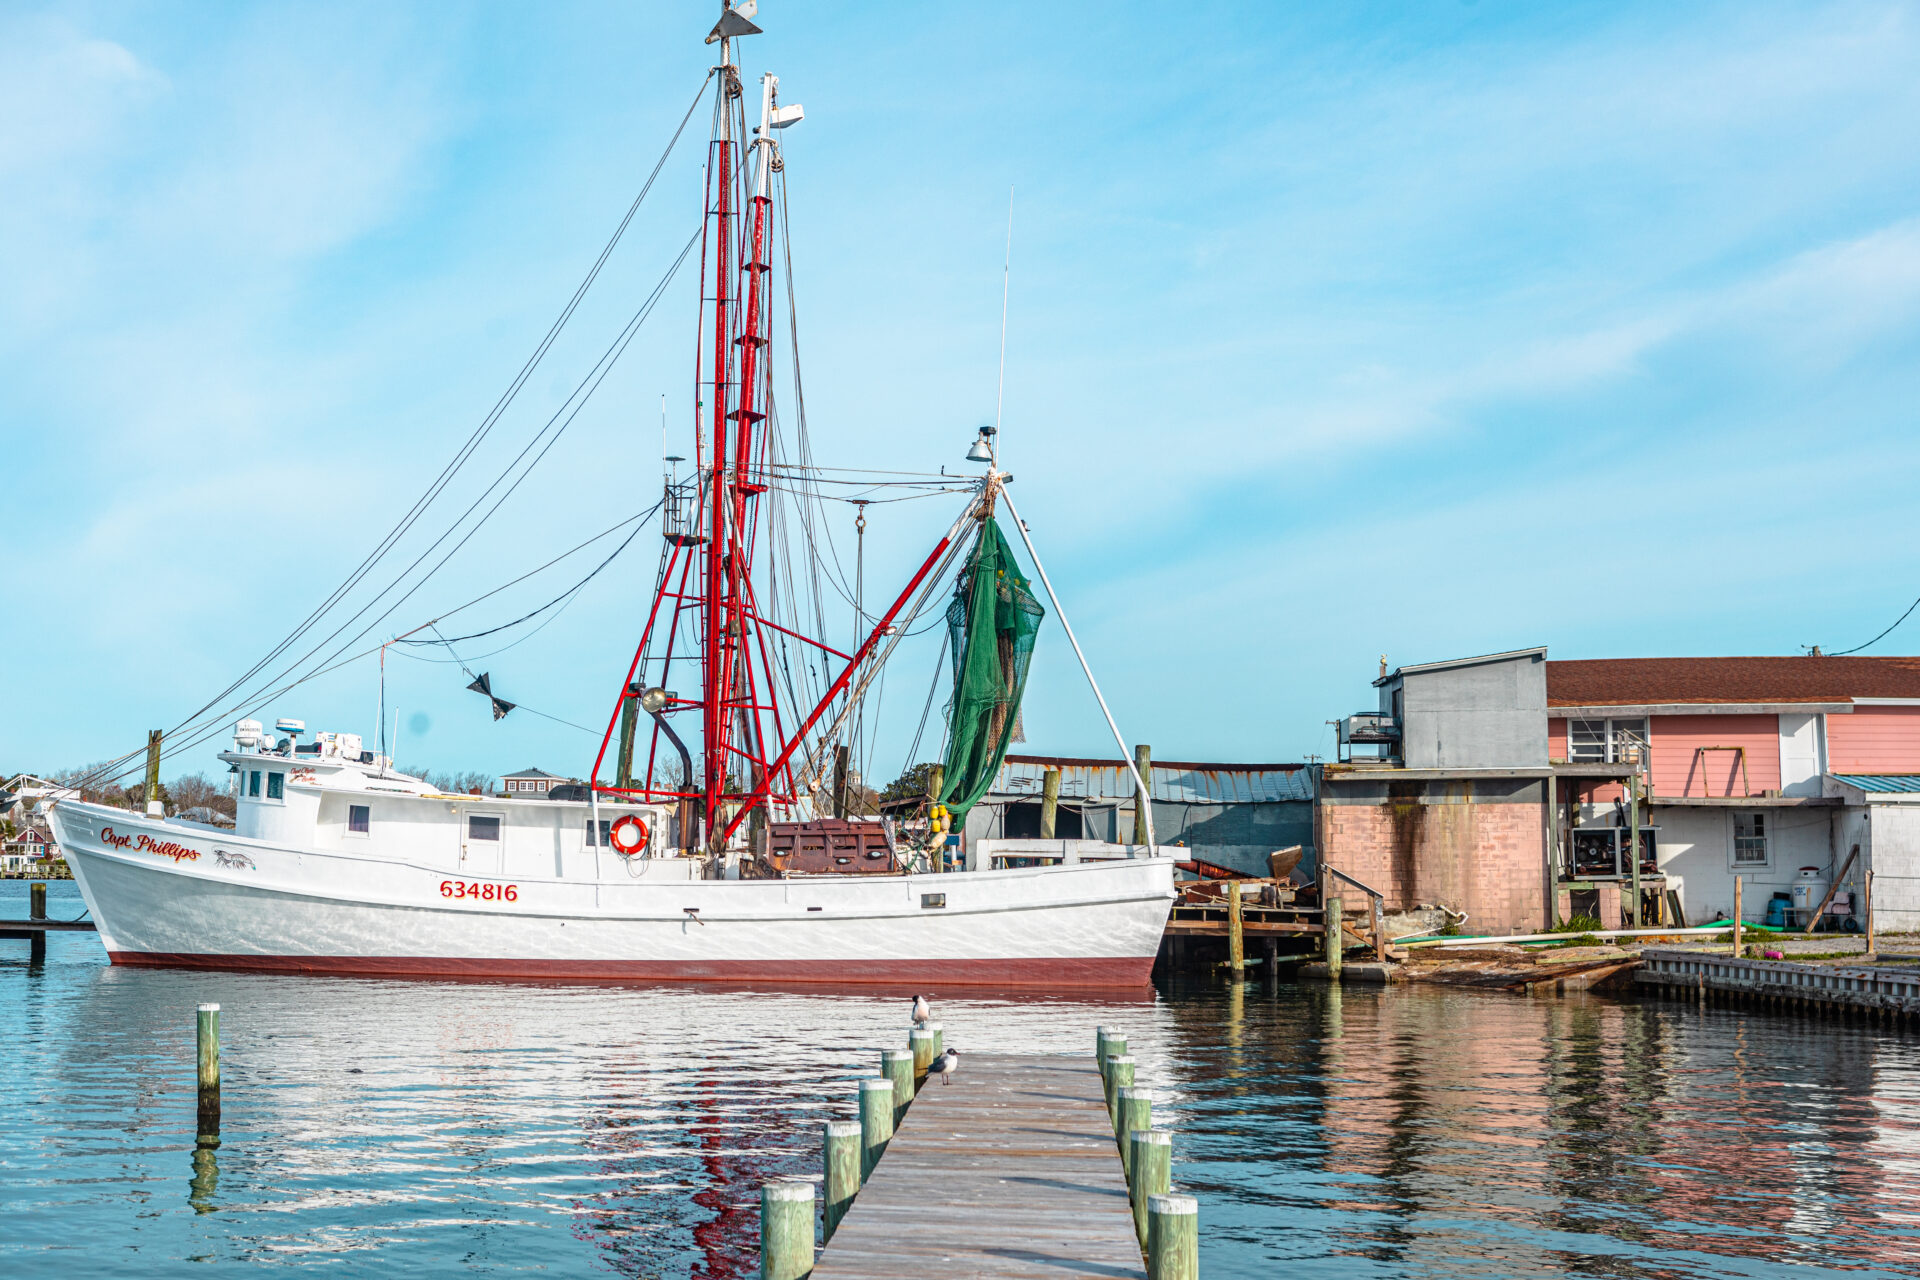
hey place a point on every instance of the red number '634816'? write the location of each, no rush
(480, 889)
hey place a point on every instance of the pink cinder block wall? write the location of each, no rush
(1874, 740)
(1679, 768)
(1484, 859)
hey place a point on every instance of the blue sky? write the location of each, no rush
(1334, 332)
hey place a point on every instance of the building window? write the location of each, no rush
(276, 786)
(1606, 741)
(253, 784)
(479, 828)
(1749, 840)
(357, 815)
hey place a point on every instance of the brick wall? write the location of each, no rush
(1484, 859)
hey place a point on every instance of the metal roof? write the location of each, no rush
(1173, 781)
(1881, 781)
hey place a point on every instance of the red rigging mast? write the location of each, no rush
(706, 598)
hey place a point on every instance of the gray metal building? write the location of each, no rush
(1230, 814)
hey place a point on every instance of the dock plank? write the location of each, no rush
(1010, 1171)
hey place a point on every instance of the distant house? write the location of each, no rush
(530, 783)
(31, 846)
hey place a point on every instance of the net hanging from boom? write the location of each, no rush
(991, 626)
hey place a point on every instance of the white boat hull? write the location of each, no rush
(168, 893)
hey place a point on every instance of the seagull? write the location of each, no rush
(944, 1065)
(921, 1011)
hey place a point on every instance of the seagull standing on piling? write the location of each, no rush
(921, 1011)
(944, 1064)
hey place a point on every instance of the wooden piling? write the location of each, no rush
(1236, 939)
(939, 1038)
(840, 1153)
(1049, 802)
(897, 1066)
(1143, 763)
(786, 1229)
(207, 1033)
(1136, 1112)
(840, 763)
(1173, 1238)
(1736, 915)
(1115, 1047)
(1336, 941)
(1149, 1173)
(876, 1123)
(920, 1043)
(153, 773)
(936, 783)
(1119, 1076)
(1866, 895)
(1100, 1035)
(37, 910)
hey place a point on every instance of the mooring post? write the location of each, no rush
(936, 782)
(939, 1034)
(897, 1066)
(1119, 1076)
(1115, 1047)
(1149, 1173)
(1136, 1112)
(920, 1043)
(154, 808)
(1736, 916)
(1336, 939)
(1173, 1238)
(1049, 802)
(207, 1027)
(1273, 961)
(840, 1152)
(876, 1123)
(37, 909)
(786, 1229)
(1100, 1048)
(1143, 764)
(1867, 906)
(1236, 939)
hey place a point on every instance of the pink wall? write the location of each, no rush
(1680, 769)
(1675, 767)
(1874, 740)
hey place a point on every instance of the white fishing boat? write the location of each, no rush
(724, 869)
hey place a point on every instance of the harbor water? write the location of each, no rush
(378, 1127)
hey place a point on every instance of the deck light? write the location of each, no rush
(982, 450)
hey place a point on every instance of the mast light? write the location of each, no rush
(982, 450)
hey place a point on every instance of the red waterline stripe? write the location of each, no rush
(1049, 972)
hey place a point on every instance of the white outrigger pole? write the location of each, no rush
(1145, 801)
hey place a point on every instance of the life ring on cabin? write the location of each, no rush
(628, 834)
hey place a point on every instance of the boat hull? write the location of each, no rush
(173, 894)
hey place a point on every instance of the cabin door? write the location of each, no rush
(482, 837)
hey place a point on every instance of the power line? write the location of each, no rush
(1882, 636)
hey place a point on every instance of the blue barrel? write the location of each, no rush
(1777, 907)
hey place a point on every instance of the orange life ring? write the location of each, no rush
(628, 834)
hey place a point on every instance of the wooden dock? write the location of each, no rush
(1009, 1171)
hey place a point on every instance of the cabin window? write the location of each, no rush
(1749, 840)
(276, 786)
(357, 819)
(481, 828)
(606, 833)
(253, 784)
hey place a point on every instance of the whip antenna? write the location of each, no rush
(1006, 279)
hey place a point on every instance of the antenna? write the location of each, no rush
(1006, 280)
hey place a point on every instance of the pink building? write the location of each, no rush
(1498, 785)
(1782, 771)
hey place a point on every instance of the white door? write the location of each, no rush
(1800, 763)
